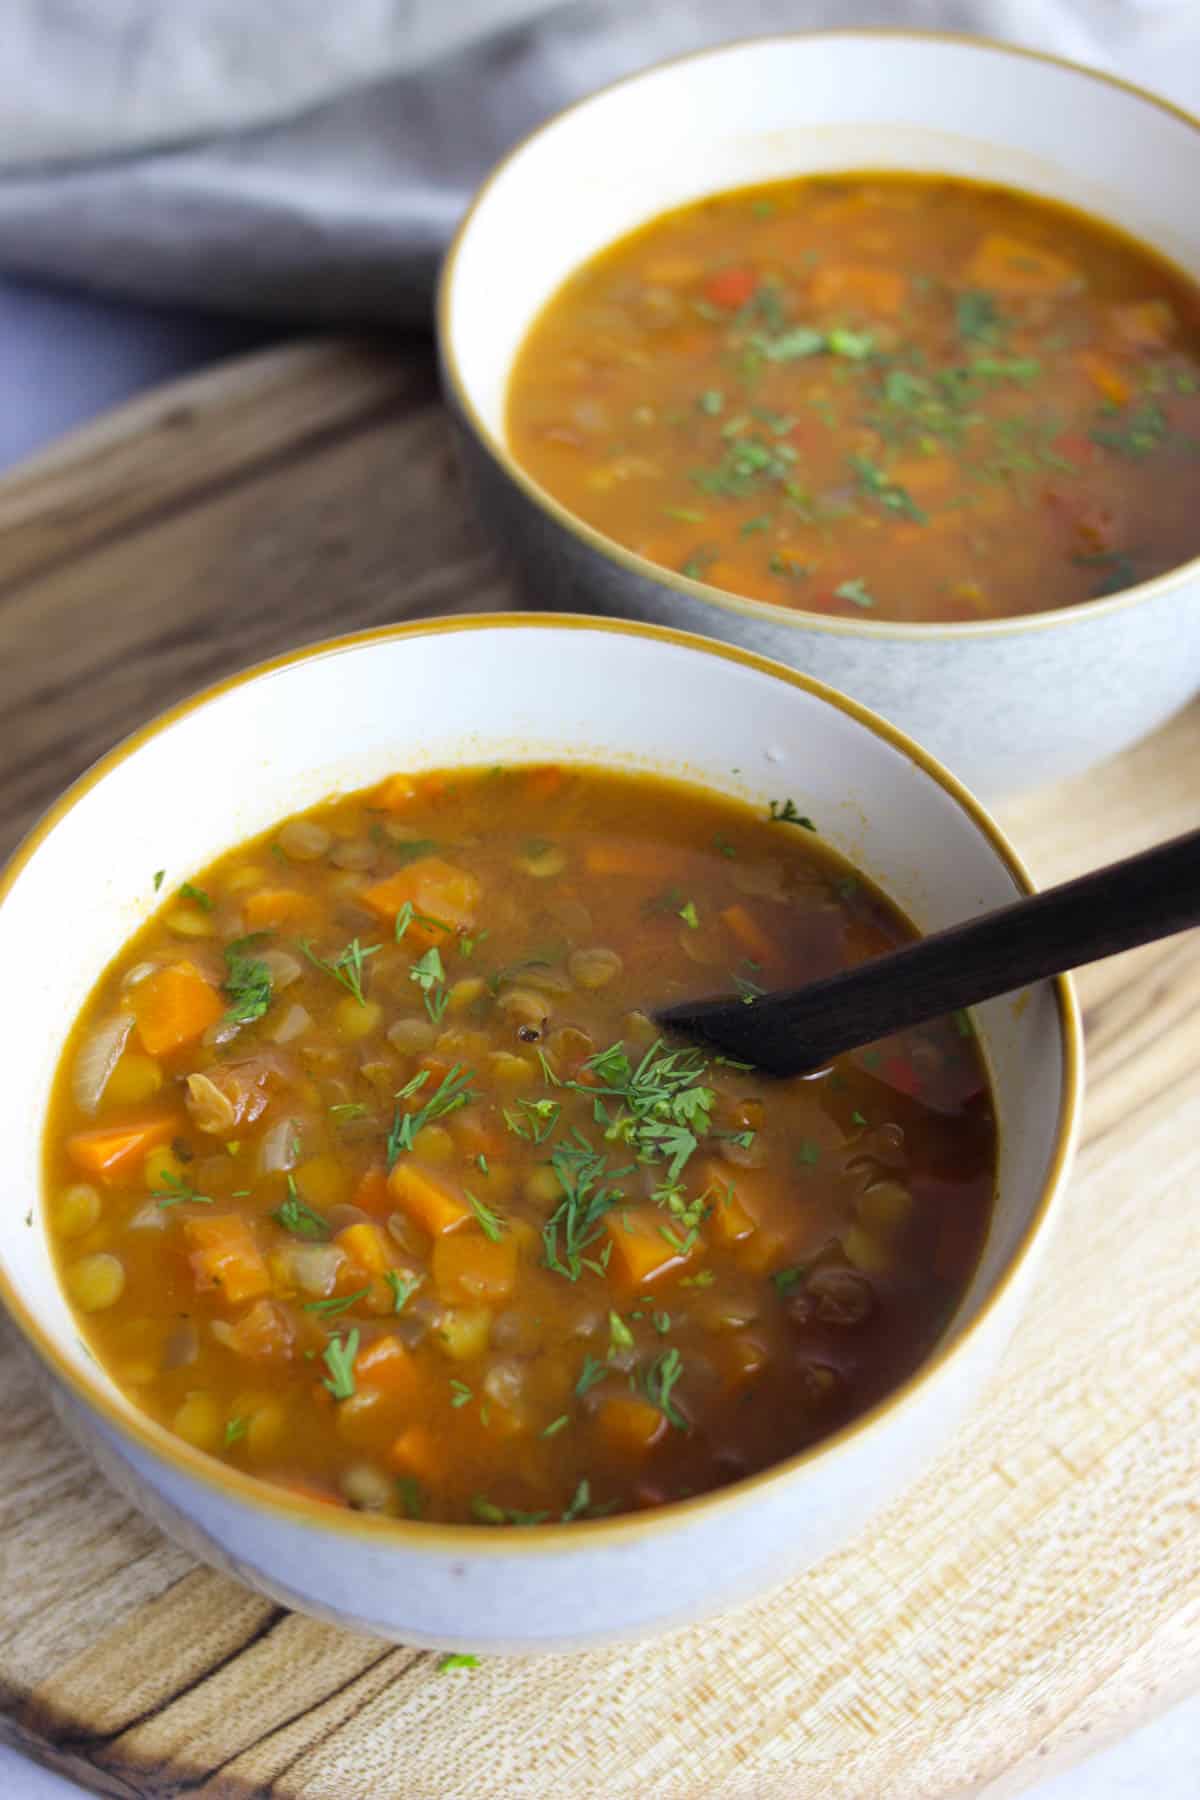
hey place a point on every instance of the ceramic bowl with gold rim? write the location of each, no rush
(523, 687)
(1007, 703)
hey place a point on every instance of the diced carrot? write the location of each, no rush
(278, 906)
(372, 1194)
(640, 1253)
(415, 1452)
(437, 1069)
(430, 1200)
(395, 794)
(263, 1334)
(1107, 379)
(1008, 266)
(544, 782)
(740, 921)
(387, 1367)
(1145, 324)
(224, 1255)
(173, 1007)
(363, 1243)
(730, 287)
(607, 857)
(628, 1425)
(110, 1153)
(469, 1268)
(736, 1199)
(436, 890)
(859, 285)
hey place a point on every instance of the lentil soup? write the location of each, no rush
(367, 1172)
(880, 396)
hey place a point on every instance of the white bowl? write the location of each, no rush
(339, 716)
(1006, 703)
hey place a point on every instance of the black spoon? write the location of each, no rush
(1148, 896)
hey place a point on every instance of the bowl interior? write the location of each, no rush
(229, 765)
(769, 108)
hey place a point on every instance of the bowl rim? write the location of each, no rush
(495, 446)
(272, 1502)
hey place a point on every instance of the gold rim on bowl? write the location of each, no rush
(127, 1421)
(493, 444)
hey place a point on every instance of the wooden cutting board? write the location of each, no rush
(1036, 1593)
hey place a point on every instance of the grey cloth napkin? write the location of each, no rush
(309, 159)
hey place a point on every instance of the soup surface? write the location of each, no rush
(367, 1171)
(892, 397)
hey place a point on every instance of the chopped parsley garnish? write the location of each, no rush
(977, 316)
(403, 1287)
(490, 1223)
(346, 1110)
(689, 915)
(541, 1116)
(341, 1303)
(1134, 431)
(235, 1430)
(454, 1659)
(712, 402)
(809, 1154)
(701, 1279)
(347, 967)
(488, 1513)
(411, 849)
(175, 1191)
(248, 983)
(300, 1219)
(878, 485)
(453, 1091)
(197, 895)
(856, 1118)
(784, 812)
(575, 1223)
(657, 1381)
(411, 1497)
(339, 1358)
(555, 1426)
(786, 1279)
(664, 1107)
(460, 1393)
(855, 591)
(591, 1372)
(406, 915)
(430, 976)
(619, 1335)
(159, 875)
(697, 564)
(724, 846)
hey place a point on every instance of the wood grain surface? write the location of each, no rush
(1037, 1592)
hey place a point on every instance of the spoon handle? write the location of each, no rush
(1148, 896)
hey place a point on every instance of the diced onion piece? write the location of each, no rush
(280, 1147)
(210, 1108)
(315, 1267)
(151, 1217)
(595, 967)
(98, 1057)
(294, 1023)
(284, 968)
